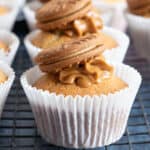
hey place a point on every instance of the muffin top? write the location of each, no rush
(3, 77)
(45, 40)
(4, 47)
(77, 68)
(50, 83)
(141, 8)
(4, 10)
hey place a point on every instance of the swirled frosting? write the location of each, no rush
(86, 73)
(90, 23)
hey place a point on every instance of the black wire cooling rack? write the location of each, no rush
(18, 129)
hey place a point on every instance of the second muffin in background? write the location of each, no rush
(72, 23)
(9, 44)
(138, 18)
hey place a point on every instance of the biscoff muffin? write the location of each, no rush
(138, 18)
(66, 23)
(74, 92)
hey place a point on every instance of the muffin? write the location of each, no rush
(8, 14)
(78, 99)
(140, 8)
(138, 18)
(6, 79)
(60, 24)
(9, 44)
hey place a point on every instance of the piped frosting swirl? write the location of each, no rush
(86, 73)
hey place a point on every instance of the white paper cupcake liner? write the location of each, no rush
(116, 54)
(12, 40)
(5, 87)
(31, 49)
(7, 21)
(118, 20)
(140, 32)
(29, 12)
(105, 14)
(16, 3)
(82, 122)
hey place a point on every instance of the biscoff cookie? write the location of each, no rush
(56, 14)
(71, 52)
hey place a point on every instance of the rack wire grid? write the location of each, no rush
(17, 126)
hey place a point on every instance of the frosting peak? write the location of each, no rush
(90, 23)
(86, 73)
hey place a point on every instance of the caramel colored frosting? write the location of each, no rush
(3, 77)
(3, 10)
(86, 73)
(91, 23)
(4, 47)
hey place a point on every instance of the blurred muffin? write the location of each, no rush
(61, 23)
(8, 14)
(138, 17)
(9, 44)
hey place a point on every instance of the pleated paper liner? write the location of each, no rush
(82, 122)
(139, 28)
(13, 42)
